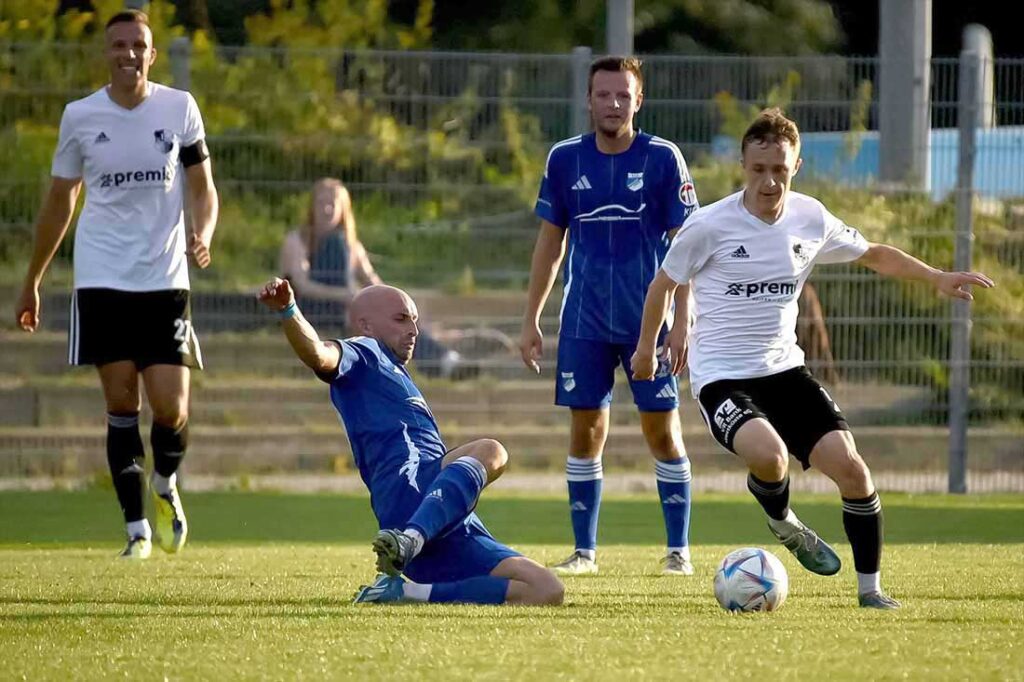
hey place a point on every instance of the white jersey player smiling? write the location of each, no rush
(130, 143)
(746, 258)
(748, 276)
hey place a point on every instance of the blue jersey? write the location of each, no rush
(391, 429)
(619, 209)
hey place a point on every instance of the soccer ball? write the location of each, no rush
(751, 579)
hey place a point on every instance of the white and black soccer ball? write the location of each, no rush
(751, 579)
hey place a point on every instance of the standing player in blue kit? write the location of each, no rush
(619, 195)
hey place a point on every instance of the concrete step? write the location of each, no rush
(255, 401)
(264, 353)
(230, 450)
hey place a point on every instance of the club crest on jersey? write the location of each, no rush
(164, 140)
(801, 254)
(687, 194)
(635, 181)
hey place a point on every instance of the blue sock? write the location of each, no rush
(450, 499)
(674, 490)
(484, 589)
(585, 480)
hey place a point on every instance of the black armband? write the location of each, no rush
(194, 153)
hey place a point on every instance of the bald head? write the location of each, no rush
(387, 314)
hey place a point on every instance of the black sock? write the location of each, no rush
(862, 520)
(168, 447)
(774, 497)
(124, 456)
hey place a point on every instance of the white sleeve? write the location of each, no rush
(689, 251)
(67, 160)
(193, 130)
(842, 242)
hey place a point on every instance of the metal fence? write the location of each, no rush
(442, 152)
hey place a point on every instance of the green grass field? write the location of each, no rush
(263, 591)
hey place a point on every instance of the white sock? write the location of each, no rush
(869, 582)
(139, 528)
(683, 551)
(162, 484)
(588, 553)
(416, 591)
(417, 538)
(787, 525)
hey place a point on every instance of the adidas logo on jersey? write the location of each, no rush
(436, 492)
(740, 253)
(666, 392)
(582, 183)
(102, 137)
(578, 506)
(674, 499)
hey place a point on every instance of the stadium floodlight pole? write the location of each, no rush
(580, 115)
(181, 62)
(971, 65)
(978, 39)
(619, 29)
(904, 93)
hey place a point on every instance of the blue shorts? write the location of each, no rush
(586, 375)
(467, 551)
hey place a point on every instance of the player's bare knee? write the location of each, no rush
(853, 477)
(664, 445)
(767, 461)
(493, 455)
(171, 416)
(548, 590)
(555, 594)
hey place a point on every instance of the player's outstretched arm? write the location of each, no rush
(204, 205)
(547, 255)
(51, 226)
(321, 357)
(659, 295)
(892, 262)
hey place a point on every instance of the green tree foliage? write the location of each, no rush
(762, 27)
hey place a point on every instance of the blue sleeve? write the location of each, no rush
(357, 354)
(679, 192)
(551, 198)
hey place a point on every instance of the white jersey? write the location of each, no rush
(745, 277)
(131, 233)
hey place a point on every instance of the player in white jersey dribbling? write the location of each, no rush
(131, 142)
(746, 259)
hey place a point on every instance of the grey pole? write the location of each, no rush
(904, 113)
(971, 66)
(619, 30)
(978, 40)
(181, 63)
(580, 116)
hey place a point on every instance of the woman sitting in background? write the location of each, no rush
(327, 264)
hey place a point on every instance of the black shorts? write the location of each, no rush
(793, 402)
(146, 327)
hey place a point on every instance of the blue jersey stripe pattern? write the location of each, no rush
(619, 210)
(395, 439)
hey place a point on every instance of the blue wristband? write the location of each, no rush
(288, 312)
